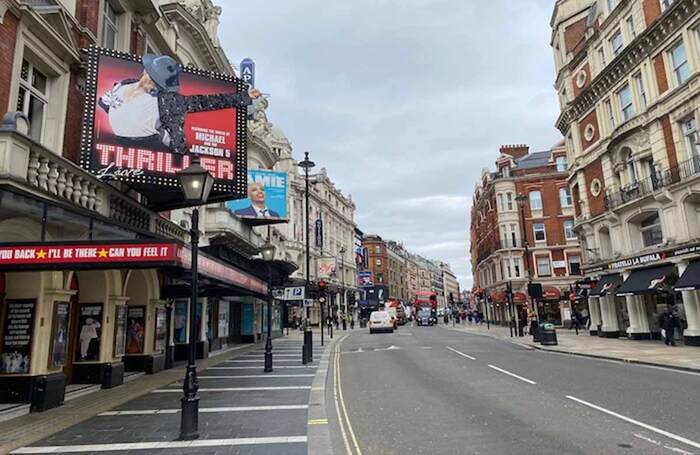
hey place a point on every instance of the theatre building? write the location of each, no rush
(627, 79)
(94, 274)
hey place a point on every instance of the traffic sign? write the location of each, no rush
(294, 293)
(308, 303)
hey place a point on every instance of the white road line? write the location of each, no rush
(660, 444)
(257, 367)
(207, 410)
(251, 376)
(461, 353)
(259, 361)
(637, 422)
(512, 374)
(236, 389)
(274, 354)
(163, 445)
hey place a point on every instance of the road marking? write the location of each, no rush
(274, 354)
(318, 422)
(256, 367)
(236, 389)
(660, 444)
(207, 410)
(250, 376)
(337, 405)
(637, 422)
(339, 398)
(461, 353)
(512, 374)
(390, 348)
(254, 361)
(163, 445)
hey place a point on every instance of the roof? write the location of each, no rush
(532, 160)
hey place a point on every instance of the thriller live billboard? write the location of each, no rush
(146, 117)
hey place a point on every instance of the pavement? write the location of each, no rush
(242, 410)
(426, 390)
(649, 352)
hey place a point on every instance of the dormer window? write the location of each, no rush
(505, 172)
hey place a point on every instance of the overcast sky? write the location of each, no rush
(403, 101)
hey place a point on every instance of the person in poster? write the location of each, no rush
(88, 332)
(60, 335)
(181, 322)
(134, 337)
(148, 112)
(257, 207)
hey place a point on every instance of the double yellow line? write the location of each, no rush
(343, 419)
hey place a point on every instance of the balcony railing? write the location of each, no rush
(657, 181)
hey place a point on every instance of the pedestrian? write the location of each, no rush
(345, 322)
(575, 319)
(668, 322)
(352, 322)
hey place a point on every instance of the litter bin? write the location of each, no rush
(548, 334)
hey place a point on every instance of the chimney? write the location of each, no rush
(515, 150)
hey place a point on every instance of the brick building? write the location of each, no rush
(546, 219)
(627, 78)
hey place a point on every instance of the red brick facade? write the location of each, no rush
(8, 40)
(590, 119)
(594, 171)
(652, 10)
(668, 142)
(574, 34)
(585, 69)
(660, 72)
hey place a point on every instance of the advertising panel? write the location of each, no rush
(59, 335)
(135, 334)
(89, 332)
(267, 198)
(224, 311)
(326, 267)
(161, 330)
(247, 319)
(17, 336)
(147, 117)
(181, 321)
(120, 331)
(364, 278)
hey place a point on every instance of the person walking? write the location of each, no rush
(668, 322)
(575, 319)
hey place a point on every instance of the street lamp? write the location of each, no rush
(268, 255)
(521, 198)
(342, 280)
(196, 184)
(307, 351)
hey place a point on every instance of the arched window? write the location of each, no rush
(630, 167)
(650, 228)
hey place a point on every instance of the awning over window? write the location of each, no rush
(606, 284)
(499, 297)
(551, 293)
(647, 281)
(690, 280)
(519, 298)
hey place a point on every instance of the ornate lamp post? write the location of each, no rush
(521, 198)
(268, 255)
(196, 183)
(307, 351)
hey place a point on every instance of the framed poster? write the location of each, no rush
(224, 312)
(246, 319)
(267, 197)
(119, 330)
(17, 330)
(135, 329)
(59, 335)
(146, 118)
(89, 332)
(161, 330)
(181, 321)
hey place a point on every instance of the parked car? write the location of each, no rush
(380, 321)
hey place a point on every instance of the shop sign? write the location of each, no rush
(136, 316)
(161, 330)
(247, 70)
(559, 264)
(221, 271)
(59, 335)
(17, 336)
(146, 117)
(120, 330)
(87, 254)
(267, 198)
(90, 332)
(638, 260)
(180, 325)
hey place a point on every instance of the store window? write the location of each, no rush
(565, 197)
(535, 200)
(574, 265)
(624, 96)
(569, 233)
(679, 63)
(650, 228)
(539, 230)
(110, 28)
(543, 266)
(32, 98)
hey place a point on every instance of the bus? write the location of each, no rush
(423, 302)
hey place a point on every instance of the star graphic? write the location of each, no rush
(41, 254)
(102, 253)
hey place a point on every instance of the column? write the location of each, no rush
(637, 318)
(691, 303)
(594, 314)
(608, 316)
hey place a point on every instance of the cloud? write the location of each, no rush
(403, 101)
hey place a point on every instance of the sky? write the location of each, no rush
(404, 102)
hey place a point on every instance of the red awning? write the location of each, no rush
(110, 255)
(499, 297)
(551, 293)
(519, 298)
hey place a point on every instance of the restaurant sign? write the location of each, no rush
(644, 259)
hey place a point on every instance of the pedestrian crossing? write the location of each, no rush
(266, 413)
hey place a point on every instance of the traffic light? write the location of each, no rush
(322, 285)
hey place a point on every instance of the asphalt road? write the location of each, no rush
(438, 391)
